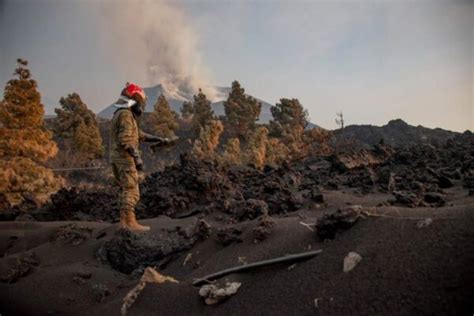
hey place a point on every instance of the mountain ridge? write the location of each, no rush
(176, 99)
(395, 133)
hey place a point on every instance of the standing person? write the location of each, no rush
(125, 156)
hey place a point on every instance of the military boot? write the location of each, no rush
(123, 220)
(132, 224)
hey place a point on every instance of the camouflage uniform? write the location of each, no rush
(125, 138)
(125, 132)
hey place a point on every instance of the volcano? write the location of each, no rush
(176, 98)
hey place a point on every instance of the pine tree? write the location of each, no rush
(257, 147)
(163, 119)
(319, 141)
(202, 112)
(187, 111)
(276, 151)
(289, 122)
(204, 147)
(232, 154)
(88, 142)
(25, 143)
(241, 112)
(287, 114)
(77, 126)
(293, 139)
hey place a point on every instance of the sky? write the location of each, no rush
(372, 60)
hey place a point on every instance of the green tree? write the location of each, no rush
(187, 111)
(287, 114)
(289, 122)
(241, 112)
(163, 119)
(202, 112)
(25, 143)
(77, 126)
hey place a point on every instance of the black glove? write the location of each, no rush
(132, 151)
(136, 157)
(139, 163)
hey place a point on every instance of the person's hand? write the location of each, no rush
(132, 151)
(164, 142)
(173, 139)
(152, 138)
(170, 140)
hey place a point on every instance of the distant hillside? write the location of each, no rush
(176, 99)
(396, 133)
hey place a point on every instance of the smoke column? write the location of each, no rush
(153, 42)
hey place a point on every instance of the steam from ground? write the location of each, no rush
(153, 42)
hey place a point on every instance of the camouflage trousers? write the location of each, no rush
(126, 176)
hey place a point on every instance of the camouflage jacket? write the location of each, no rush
(124, 131)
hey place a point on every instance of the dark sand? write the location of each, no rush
(405, 270)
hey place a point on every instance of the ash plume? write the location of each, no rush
(153, 42)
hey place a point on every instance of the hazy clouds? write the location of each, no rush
(373, 60)
(154, 41)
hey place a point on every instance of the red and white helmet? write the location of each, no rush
(132, 89)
